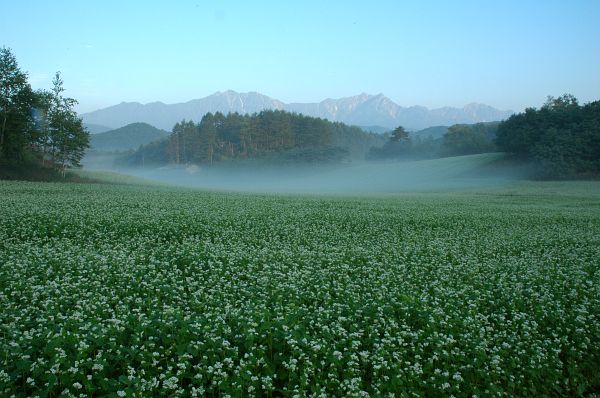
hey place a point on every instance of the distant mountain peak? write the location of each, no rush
(362, 109)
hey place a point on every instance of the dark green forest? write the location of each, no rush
(562, 138)
(272, 135)
(559, 140)
(38, 129)
(459, 139)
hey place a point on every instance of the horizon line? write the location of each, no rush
(295, 103)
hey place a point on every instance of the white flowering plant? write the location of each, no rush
(153, 291)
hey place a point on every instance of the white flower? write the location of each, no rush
(171, 383)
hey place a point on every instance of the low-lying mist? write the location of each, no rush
(447, 174)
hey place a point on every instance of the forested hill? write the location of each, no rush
(562, 138)
(126, 138)
(274, 135)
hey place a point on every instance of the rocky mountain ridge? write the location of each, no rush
(360, 110)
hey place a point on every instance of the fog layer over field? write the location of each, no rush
(463, 172)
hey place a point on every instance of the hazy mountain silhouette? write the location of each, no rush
(96, 128)
(126, 138)
(360, 110)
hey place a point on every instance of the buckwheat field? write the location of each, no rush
(125, 291)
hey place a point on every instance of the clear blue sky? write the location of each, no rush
(508, 54)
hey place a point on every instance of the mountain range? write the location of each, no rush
(359, 110)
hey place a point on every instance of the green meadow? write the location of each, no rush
(131, 290)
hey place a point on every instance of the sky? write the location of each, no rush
(508, 54)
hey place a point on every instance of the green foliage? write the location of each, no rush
(155, 153)
(355, 140)
(43, 123)
(275, 135)
(398, 145)
(468, 139)
(31, 169)
(319, 155)
(393, 149)
(17, 100)
(148, 291)
(433, 132)
(562, 137)
(399, 134)
(66, 137)
(457, 140)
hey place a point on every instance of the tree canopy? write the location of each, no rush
(468, 139)
(562, 138)
(399, 134)
(274, 135)
(17, 99)
(39, 125)
(459, 139)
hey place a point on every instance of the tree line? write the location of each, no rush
(219, 137)
(562, 138)
(459, 139)
(37, 127)
(271, 134)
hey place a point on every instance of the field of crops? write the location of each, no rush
(126, 291)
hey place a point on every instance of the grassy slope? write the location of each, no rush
(110, 177)
(36, 172)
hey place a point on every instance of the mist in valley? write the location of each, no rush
(275, 151)
(360, 177)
